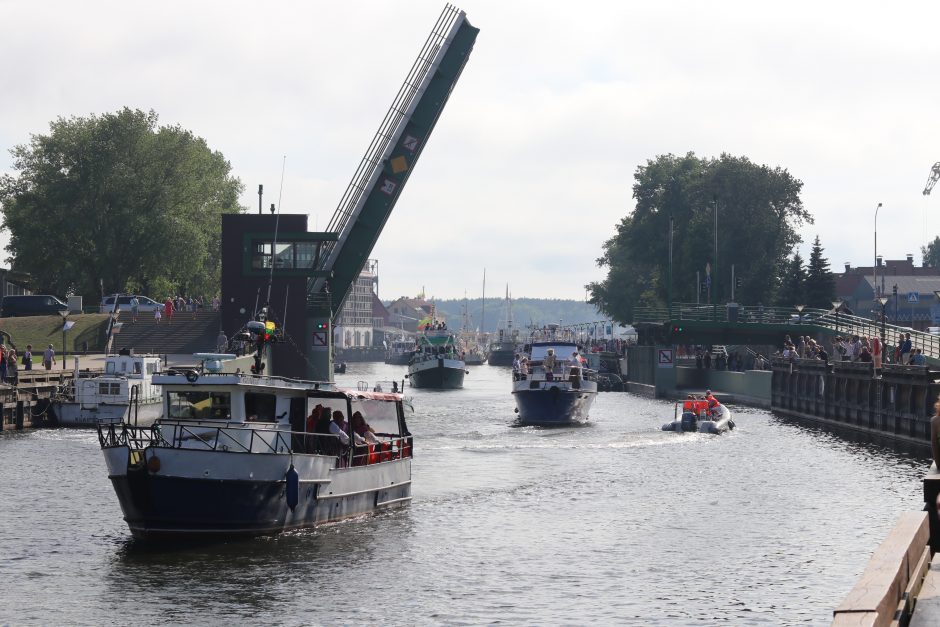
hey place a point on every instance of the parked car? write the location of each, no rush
(31, 305)
(124, 303)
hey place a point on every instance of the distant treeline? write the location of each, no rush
(525, 311)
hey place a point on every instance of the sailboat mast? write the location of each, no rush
(483, 306)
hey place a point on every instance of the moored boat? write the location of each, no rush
(436, 363)
(127, 382)
(399, 353)
(236, 454)
(553, 389)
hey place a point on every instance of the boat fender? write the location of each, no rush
(293, 487)
(192, 376)
(731, 424)
(153, 464)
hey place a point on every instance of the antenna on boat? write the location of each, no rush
(483, 306)
(277, 221)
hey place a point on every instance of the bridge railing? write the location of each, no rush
(840, 324)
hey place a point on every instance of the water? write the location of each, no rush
(615, 522)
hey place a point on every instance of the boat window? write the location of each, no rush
(200, 405)
(151, 368)
(260, 407)
(137, 369)
(109, 388)
(123, 366)
(109, 367)
(382, 416)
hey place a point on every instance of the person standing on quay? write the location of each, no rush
(28, 357)
(48, 357)
(168, 309)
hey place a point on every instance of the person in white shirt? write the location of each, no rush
(338, 428)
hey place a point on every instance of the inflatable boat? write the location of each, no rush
(705, 422)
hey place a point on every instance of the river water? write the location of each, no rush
(615, 522)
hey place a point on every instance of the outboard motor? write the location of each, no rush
(688, 422)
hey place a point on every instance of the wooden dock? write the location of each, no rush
(901, 584)
(27, 404)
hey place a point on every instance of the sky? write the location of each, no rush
(531, 164)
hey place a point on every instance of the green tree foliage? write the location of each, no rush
(759, 210)
(820, 284)
(118, 200)
(792, 290)
(931, 254)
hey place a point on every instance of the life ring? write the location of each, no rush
(192, 376)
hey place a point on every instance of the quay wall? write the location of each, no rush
(896, 404)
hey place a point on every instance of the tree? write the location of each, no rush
(931, 254)
(793, 284)
(115, 200)
(820, 284)
(759, 210)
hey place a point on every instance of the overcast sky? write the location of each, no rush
(532, 162)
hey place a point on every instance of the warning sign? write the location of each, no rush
(388, 186)
(665, 358)
(410, 143)
(319, 340)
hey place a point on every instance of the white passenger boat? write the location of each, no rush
(554, 393)
(127, 382)
(234, 455)
(703, 421)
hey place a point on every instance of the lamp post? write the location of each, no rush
(884, 301)
(800, 308)
(874, 268)
(836, 304)
(65, 315)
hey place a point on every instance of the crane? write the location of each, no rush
(933, 178)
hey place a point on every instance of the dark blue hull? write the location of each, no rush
(553, 406)
(501, 357)
(158, 507)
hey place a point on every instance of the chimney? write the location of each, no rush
(848, 267)
(878, 260)
(910, 258)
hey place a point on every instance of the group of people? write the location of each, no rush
(856, 348)
(358, 433)
(521, 365)
(701, 405)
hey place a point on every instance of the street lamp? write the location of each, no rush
(65, 315)
(799, 308)
(836, 304)
(874, 268)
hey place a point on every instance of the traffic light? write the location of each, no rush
(738, 281)
(677, 328)
(322, 326)
(894, 290)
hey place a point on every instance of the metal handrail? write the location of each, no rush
(837, 322)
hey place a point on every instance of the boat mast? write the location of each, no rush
(483, 305)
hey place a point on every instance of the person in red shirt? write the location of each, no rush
(168, 309)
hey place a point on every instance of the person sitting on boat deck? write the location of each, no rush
(689, 404)
(524, 368)
(338, 428)
(361, 428)
(575, 363)
(548, 363)
(713, 404)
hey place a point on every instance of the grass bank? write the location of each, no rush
(40, 331)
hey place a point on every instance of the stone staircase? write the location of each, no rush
(184, 334)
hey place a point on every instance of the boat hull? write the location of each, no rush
(443, 374)
(501, 357)
(192, 496)
(399, 359)
(76, 415)
(553, 405)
